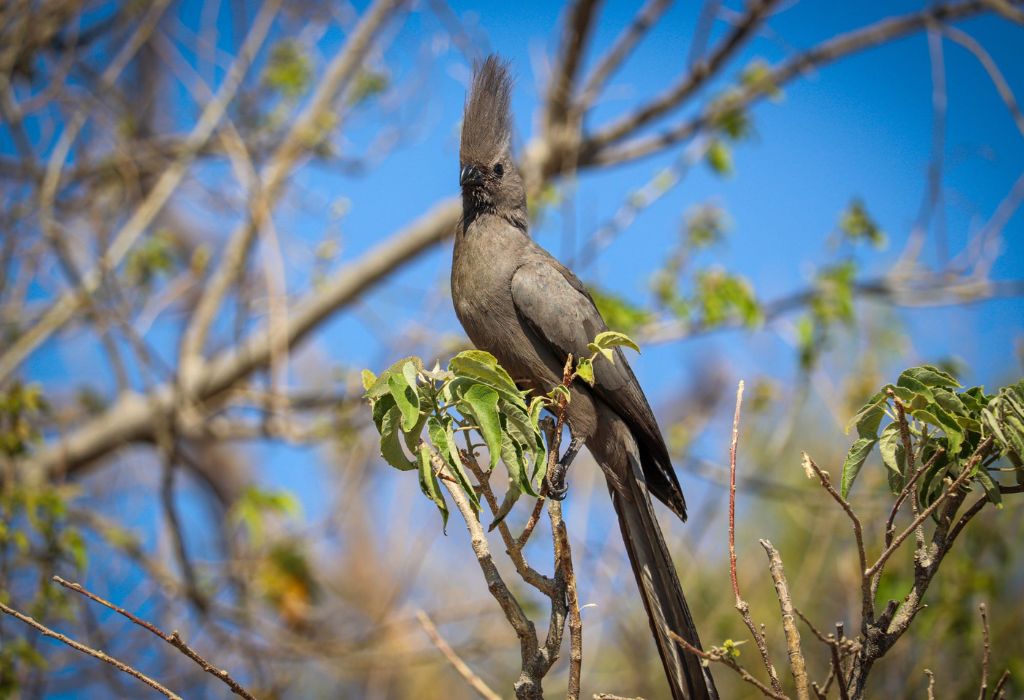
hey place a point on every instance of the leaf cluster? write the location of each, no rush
(930, 415)
(421, 413)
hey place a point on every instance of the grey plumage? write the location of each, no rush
(530, 311)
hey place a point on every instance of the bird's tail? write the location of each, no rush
(659, 587)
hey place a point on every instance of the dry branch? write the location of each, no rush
(95, 653)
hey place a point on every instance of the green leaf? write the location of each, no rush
(484, 368)
(890, 447)
(869, 417)
(524, 431)
(617, 312)
(561, 392)
(855, 459)
(991, 488)
(915, 386)
(1003, 420)
(515, 461)
(857, 225)
(288, 70)
(611, 339)
(380, 385)
(443, 440)
(719, 157)
(430, 485)
(585, 370)
(388, 418)
(407, 400)
(367, 84)
(934, 414)
(369, 379)
(482, 402)
(931, 376)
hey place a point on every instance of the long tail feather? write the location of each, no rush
(659, 587)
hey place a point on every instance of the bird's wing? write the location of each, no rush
(555, 306)
(564, 319)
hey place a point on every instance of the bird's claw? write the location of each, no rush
(557, 487)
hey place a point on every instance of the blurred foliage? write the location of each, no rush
(857, 225)
(288, 70)
(36, 538)
(618, 313)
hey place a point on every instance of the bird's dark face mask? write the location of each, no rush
(491, 189)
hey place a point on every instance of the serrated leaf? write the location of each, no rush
(561, 392)
(890, 447)
(525, 432)
(991, 488)
(484, 368)
(407, 400)
(611, 339)
(390, 438)
(931, 376)
(608, 353)
(430, 486)
(869, 417)
(915, 386)
(855, 459)
(380, 386)
(443, 440)
(585, 370)
(482, 403)
(513, 456)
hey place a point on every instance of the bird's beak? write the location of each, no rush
(470, 176)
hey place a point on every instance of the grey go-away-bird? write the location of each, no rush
(530, 311)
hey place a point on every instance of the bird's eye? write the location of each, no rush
(499, 169)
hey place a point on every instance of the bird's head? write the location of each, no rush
(488, 175)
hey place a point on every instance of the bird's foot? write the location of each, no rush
(557, 486)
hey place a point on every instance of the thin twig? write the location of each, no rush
(741, 605)
(797, 664)
(731, 663)
(95, 653)
(732, 492)
(890, 527)
(523, 626)
(908, 451)
(65, 307)
(985, 651)
(697, 77)
(174, 638)
(474, 681)
(563, 552)
(931, 683)
(999, 691)
(994, 74)
(597, 149)
(621, 48)
(867, 601)
(960, 480)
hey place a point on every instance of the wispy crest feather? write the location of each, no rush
(487, 120)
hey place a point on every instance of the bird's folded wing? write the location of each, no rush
(564, 319)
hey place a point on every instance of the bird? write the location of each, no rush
(519, 303)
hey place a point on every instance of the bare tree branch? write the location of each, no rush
(95, 653)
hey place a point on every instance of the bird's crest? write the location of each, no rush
(487, 120)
